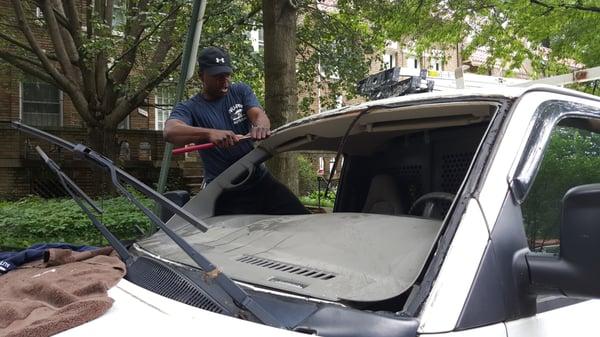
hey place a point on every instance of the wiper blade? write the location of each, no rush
(240, 297)
(77, 194)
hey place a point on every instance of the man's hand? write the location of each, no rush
(258, 132)
(223, 138)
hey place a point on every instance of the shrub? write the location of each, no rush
(33, 219)
(307, 177)
(312, 199)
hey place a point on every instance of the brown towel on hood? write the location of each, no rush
(67, 290)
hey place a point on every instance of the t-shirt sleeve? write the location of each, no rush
(182, 113)
(249, 98)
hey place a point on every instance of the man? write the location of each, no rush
(221, 114)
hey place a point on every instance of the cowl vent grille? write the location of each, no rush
(286, 267)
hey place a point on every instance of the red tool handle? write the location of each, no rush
(198, 147)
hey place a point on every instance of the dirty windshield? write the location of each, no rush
(384, 200)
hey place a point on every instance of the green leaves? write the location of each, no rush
(572, 158)
(313, 199)
(32, 220)
(335, 50)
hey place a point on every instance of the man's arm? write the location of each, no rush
(179, 133)
(261, 125)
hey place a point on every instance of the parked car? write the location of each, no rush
(427, 235)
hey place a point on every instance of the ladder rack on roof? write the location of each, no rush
(578, 76)
(402, 81)
(395, 82)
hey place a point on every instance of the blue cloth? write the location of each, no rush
(226, 113)
(11, 260)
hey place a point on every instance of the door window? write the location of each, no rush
(571, 158)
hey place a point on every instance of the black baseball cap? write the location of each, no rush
(214, 60)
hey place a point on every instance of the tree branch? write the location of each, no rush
(165, 43)
(36, 48)
(576, 6)
(104, 9)
(74, 22)
(87, 75)
(126, 105)
(57, 40)
(120, 74)
(61, 18)
(139, 40)
(16, 42)
(236, 24)
(27, 66)
(74, 29)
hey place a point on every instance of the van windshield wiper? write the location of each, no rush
(239, 296)
(79, 196)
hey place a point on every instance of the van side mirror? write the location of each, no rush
(575, 272)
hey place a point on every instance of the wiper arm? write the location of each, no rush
(77, 194)
(240, 297)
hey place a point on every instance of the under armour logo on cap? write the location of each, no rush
(213, 61)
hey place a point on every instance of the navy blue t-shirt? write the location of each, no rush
(225, 113)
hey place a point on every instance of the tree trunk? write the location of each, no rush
(104, 141)
(281, 96)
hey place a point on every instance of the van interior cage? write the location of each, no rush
(392, 83)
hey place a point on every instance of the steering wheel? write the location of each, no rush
(433, 202)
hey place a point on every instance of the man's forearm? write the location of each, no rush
(262, 120)
(259, 118)
(181, 134)
(261, 126)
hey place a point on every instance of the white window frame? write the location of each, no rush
(258, 44)
(413, 62)
(125, 124)
(321, 170)
(60, 104)
(390, 60)
(339, 101)
(436, 64)
(157, 108)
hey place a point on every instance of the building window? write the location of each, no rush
(339, 101)
(435, 64)
(413, 62)
(261, 39)
(164, 100)
(125, 124)
(389, 60)
(41, 103)
(257, 38)
(321, 170)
